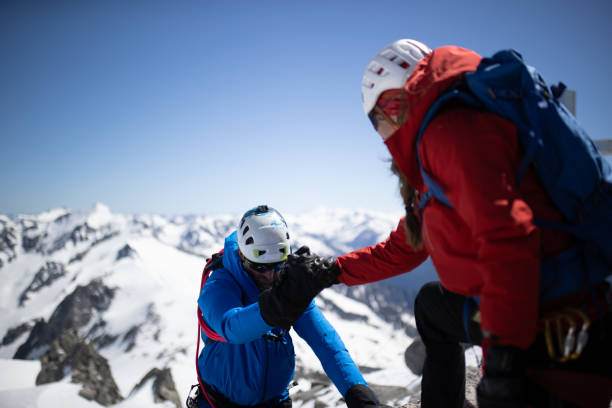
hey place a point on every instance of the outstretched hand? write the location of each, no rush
(302, 278)
(323, 271)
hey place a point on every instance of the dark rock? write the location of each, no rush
(318, 383)
(344, 315)
(389, 392)
(105, 237)
(69, 353)
(78, 234)
(389, 302)
(130, 338)
(319, 404)
(13, 333)
(311, 394)
(45, 276)
(92, 370)
(125, 252)
(414, 356)
(152, 318)
(367, 369)
(74, 312)
(163, 386)
(37, 343)
(472, 377)
(8, 239)
(315, 377)
(30, 235)
(79, 256)
(54, 360)
(104, 340)
(28, 243)
(62, 218)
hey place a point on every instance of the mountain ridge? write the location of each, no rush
(128, 285)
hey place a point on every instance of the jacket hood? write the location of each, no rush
(232, 262)
(432, 76)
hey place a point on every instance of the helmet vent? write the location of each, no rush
(404, 64)
(249, 241)
(287, 235)
(245, 230)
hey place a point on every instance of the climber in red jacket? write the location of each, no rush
(486, 249)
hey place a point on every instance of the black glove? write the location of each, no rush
(361, 396)
(302, 278)
(324, 271)
(503, 383)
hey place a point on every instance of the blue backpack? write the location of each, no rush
(569, 166)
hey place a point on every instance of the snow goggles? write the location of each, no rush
(263, 267)
(385, 116)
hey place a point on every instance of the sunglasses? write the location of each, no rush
(263, 267)
(385, 116)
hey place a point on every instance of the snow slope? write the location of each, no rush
(143, 275)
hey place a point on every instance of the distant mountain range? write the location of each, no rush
(80, 284)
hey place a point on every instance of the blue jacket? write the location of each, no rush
(250, 369)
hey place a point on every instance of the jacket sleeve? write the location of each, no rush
(222, 308)
(479, 178)
(381, 261)
(320, 335)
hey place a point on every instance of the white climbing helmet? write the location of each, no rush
(263, 236)
(390, 69)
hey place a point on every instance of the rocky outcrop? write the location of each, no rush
(79, 256)
(70, 354)
(14, 333)
(389, 302)
(8, 240)
(78, 234)
(74, 312)
(472, 378)
(125, 252)
(319, 383)
(45, 276)
(414, 356)
(31, 235)
(163, 387)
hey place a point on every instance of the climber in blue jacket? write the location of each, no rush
(251, 304)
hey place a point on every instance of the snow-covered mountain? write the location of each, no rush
(127, 287)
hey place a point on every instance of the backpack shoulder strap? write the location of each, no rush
(455, 94)
(213, 263)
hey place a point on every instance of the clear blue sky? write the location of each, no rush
(213, 107)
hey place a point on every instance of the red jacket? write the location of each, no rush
(487, 245)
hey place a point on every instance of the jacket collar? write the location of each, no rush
(233, 263)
